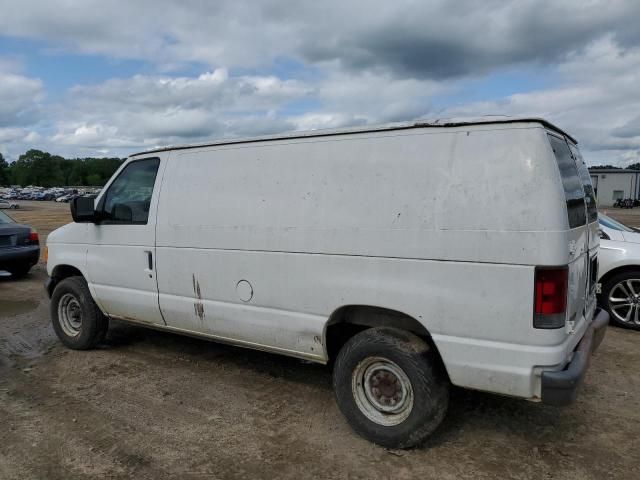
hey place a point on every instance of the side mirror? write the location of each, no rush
(82, 210)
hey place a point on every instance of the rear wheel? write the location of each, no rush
(620, 296)
(76, 319)
(390, 386)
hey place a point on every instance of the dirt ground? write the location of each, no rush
(155, 405)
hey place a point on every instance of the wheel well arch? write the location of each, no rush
(59, 273)
(615, 271)
(349, 320)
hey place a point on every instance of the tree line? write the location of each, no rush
(42, 169)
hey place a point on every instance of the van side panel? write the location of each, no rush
(287, 311)
(484, 196)
(445, 227)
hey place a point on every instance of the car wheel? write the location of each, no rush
(390, 386)
(76, 319)
(620, 296)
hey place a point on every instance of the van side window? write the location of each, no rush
(573, 190)
(589, 193)
(128, 199)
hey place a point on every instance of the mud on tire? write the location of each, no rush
(76, 319)
(391, 387)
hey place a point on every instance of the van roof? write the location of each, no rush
(425, 123)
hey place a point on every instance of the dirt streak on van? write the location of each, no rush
(421, 254)
(198, 306)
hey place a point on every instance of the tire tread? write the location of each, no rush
(419, 361)
(94, 323)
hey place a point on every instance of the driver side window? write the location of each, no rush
(128, 199)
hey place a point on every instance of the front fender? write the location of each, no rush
(614, 254)
(67, 254)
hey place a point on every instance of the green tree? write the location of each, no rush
(36, 167)
(4, 171)
(94, 180)
(66, 167)
(43, 169)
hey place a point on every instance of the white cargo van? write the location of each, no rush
(410, 257)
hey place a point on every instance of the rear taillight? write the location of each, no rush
(33, 237)
(550, 297)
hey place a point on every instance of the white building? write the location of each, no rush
(610, 184)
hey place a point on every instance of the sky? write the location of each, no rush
(110, 78)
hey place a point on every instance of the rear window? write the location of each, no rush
(4, 218)
(585, 178)
(571, 182)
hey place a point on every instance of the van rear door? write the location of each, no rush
(593, 237)
(578, 301)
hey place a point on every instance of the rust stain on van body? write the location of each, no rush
(198, 305)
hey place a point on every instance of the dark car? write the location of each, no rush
(19, 246)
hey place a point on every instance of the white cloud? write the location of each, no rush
(355, 62)
(151, 110)
(13, 140)
(427, 39)
(598, 99)
(11, 134)
(19, 99)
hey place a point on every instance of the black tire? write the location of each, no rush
(420, 365)
(605, 291)
(93, 324)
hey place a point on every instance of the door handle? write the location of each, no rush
(149, 260)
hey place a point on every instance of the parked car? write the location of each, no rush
(624, 203)
(381, 250)
(619, 291)
(19, 246)
(8, 204)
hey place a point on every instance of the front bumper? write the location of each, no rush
(561, 388)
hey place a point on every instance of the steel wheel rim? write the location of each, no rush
(382, 391)
(624, 301)
(70, 315)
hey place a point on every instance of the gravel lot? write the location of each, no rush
(155, 405)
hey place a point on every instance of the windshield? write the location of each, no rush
(4, 218)
(613, 224)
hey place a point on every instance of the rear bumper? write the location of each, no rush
(19, 256)
(561, 387)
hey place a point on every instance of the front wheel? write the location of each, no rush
(390, 386)
(76, 319)
(620, 296)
